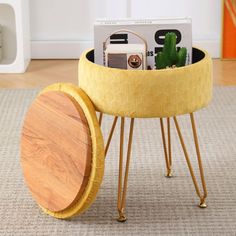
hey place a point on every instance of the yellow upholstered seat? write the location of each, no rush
(149, 93)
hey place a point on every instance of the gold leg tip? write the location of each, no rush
(121, 218)
(169, 175)
(203, 205)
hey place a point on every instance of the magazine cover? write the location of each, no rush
(152, 30)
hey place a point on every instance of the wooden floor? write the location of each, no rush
(41, 73)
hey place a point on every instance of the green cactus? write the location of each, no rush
(170, 57)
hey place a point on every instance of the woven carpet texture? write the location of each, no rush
(155, 205)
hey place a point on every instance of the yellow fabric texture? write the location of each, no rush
(149, 93)
(97, 166)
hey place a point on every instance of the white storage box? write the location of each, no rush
(0, 43)
(14, 18)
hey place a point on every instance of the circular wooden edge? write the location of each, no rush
(62, 110)
(97, 167)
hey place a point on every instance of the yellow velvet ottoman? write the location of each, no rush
(150, 93)
(121, 93)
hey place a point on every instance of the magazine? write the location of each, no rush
(152, 30)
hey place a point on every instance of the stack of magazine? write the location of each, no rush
(152, 30)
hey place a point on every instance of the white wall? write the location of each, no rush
(61, 28)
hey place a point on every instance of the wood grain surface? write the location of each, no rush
(56, 150)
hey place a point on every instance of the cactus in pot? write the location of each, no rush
(170, 57)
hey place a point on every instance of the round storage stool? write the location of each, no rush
(62, 152)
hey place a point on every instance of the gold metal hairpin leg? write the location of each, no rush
(100, 119)
(167, 153)
(110, 135)
(204, 195)
(122, 194)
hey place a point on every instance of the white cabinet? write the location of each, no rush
(15, 43)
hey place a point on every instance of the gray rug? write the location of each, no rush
(155, 205)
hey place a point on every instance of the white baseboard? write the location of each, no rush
(73, 49)
(58, 49)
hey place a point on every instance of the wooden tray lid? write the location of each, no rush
(57, 148)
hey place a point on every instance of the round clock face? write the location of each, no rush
(134, 61)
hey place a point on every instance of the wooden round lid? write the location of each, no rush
(56, 150)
